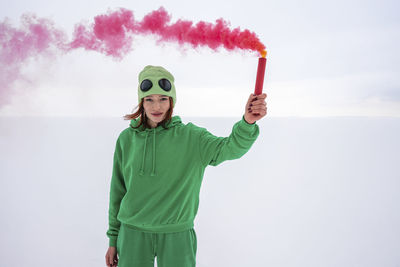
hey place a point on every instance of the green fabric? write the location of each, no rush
(154, 74)
(157, 173)
(138, 249)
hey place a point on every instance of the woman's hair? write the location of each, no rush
(143, 118)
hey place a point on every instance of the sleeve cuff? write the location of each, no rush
(113, 242)
(251, 129)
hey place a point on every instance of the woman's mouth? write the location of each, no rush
(156, 114)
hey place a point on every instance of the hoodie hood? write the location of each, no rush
(174, 121)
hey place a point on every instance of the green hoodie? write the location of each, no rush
(157, 173)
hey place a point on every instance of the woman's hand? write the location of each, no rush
(256, 108)
(111, 257)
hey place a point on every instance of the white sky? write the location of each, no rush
(337, 58)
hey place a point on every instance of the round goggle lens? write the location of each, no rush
(146, 85)
(165, 84)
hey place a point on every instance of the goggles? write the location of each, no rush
(146, 85)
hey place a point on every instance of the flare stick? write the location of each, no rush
(260, 75)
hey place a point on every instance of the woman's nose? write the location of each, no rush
(156, 104)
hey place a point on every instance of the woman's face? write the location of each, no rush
(156, 107)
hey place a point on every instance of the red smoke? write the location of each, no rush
(110, 34)
(18, 45)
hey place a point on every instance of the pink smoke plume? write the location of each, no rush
(112, 35)
(18, 45)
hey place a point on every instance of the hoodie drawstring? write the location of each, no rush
(153, 173)
(176, 121)
(144, 155)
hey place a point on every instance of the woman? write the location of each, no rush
(158, 168)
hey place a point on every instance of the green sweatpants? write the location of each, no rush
(136, 248)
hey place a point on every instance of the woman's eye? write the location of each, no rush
(148, 99)
(164, 99)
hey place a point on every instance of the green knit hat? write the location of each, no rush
(153, 79)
